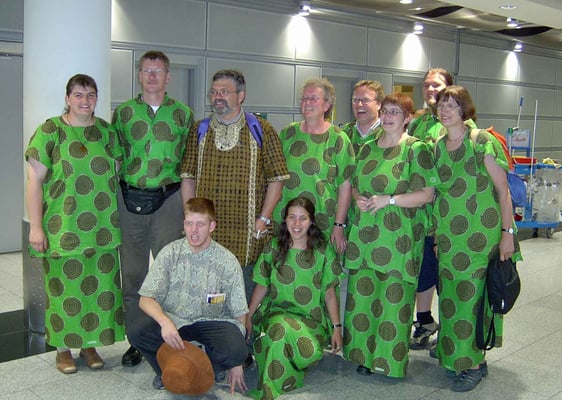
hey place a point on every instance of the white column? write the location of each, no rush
(61, 38)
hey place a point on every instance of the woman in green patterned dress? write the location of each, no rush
(320, 160)
(392, 184)
(72, 204)
(473, 218)
(294, 303)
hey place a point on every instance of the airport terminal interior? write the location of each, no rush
(278, 51)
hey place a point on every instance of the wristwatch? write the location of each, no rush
(392, 200)
(508, 230)
(265, 219)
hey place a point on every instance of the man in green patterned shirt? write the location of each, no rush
(152, 130)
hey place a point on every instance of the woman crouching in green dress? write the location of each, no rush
(294, 308)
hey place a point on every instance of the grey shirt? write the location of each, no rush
(183, 283)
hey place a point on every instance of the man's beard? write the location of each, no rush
(223, 107)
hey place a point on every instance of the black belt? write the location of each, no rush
(168, 189)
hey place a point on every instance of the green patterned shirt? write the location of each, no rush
(153, 142)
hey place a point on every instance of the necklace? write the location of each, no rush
(83, 147)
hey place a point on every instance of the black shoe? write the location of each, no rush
(362, 370)
(248, 361)
(131, 357)
(467, 380)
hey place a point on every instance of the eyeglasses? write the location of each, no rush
(311, 99)
(362, 100)
(447, 106)
(223, 92)
(394, 112)
(155, 71)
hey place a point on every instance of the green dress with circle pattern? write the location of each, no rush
(318, 164)
(80, 219)
(384, 255)
(292, 317)
(468, 222)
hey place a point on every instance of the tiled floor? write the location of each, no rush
(527, 367)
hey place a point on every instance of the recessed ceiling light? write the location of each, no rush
(518, 47)
(507, 7)
(406, 1)
(512, 22)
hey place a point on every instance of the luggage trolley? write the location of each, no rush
(542, 209)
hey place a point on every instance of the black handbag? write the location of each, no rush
(503, 285)
(502, 289)
(142, 201)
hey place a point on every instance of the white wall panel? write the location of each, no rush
(441, 54)
(267, 85)
(398, 50)
(543, 137)
(11, 17)
(303, 73)
(240, 30)
(535, 69)
(558, 104)
(122, 67)
(500, 125)
(279, 121)
(166, 22)
(333, 42)
(468, 60)
(558, 72)
(545, 97)
(498, 99)
(491, 63)
(384, 79)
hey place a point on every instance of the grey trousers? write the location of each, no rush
(141, 235)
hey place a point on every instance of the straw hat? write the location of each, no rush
(188, 371)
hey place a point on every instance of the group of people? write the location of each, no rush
(253, 232)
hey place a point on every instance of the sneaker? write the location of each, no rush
(484, 368)
(422, 333)
(467, 380)
(157, 383)
(453, 376)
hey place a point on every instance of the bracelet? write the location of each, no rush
(340, 225)
(265, 219)
(336, 325)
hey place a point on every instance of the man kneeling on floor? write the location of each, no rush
(195, 291)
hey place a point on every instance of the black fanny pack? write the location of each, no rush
(146, 201)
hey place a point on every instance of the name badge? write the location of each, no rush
(217, 298)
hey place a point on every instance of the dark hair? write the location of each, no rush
(236, 76)
(81, 80)
(200, 205)
(315, 237)
(445, 75)
(155, 55)
(401, 100)
(461, 96)
(375, 86)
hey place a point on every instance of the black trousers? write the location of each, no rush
(223, 341)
